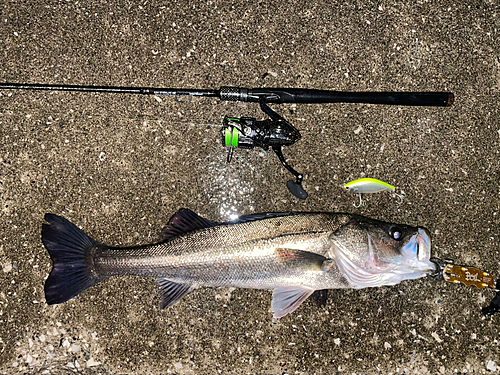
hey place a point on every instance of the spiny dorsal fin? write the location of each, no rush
(171, 292)
(300, 259)
(287, 299)
(184, 221)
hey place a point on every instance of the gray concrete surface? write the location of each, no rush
(120, 165)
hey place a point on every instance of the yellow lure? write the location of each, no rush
(368, 185)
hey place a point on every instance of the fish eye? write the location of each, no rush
(396, 233)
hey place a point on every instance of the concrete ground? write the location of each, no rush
(120, 165)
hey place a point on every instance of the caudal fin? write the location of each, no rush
(69, 249)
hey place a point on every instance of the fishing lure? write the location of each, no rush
(368, 186)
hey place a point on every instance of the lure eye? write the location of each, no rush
(396, 233)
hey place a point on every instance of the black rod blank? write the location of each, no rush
(112, 89)
(269, 95)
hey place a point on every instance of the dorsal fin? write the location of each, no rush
(184, 221)
(261, 216)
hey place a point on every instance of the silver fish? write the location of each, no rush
(292, 254)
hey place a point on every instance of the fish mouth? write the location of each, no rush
(417, 253)
(413, 263)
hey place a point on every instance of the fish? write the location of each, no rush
(293, 254)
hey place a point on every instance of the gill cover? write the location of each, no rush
(372, 253)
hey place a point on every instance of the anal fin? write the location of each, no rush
(287, 299)
(170, 292)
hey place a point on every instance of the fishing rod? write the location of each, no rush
(274, 132)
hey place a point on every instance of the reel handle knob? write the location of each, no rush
(296, 189)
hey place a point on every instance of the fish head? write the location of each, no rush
(375, 253)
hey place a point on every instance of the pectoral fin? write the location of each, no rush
(287, 299)
(304, 260)
(171, 292)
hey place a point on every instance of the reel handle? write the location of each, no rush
(295, 187)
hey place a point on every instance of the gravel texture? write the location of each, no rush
(120, 165)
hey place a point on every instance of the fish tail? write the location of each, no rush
(71, 252)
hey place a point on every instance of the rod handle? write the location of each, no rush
(293, 95)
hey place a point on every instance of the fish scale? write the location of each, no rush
(238, 262)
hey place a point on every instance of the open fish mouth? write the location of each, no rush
(417, 253)
(412, 263)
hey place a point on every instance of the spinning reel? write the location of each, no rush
(276, 132)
